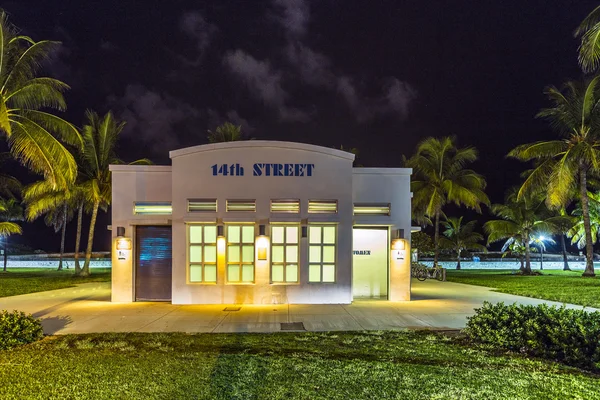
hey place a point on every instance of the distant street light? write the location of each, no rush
(539, 241)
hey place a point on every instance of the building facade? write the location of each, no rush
(260, 222)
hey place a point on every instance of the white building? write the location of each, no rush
(260, 222)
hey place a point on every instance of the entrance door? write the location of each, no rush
(153, 263)
(370, 263)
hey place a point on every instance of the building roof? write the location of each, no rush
(247, 144)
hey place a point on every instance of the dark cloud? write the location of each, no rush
(152, 116)
(264, 82)
(215, 119)
(195, 25)
(314, 68)
(294, 16)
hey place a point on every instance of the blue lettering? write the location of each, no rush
(277, 169)
(289, 170)
(309, 169)
(298, 170)
(257, 170)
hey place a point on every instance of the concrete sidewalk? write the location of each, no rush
(87, 308)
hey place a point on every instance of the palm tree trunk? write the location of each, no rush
(436, 238)
(85, 271)
(585, 208)
(527, 270)
(564, 252)
(458, 259)
(62, 238)
(78, 238)
(522, 268)
(5, 253)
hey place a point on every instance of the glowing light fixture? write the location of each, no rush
(220, 231)
(398, 244)
(262, 243)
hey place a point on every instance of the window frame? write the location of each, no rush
(205, 202)
(295, 202)
(202, 263)
(151, 204)
(285, 244)
(315, 203)
(240, 202)
(322, 245)
(241, 261)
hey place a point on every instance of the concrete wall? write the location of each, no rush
(131, 183)
(331, 179)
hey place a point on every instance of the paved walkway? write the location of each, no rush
(87, 308)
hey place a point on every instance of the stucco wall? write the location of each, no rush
(131, 183)
(331, 179)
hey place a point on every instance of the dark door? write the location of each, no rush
(153, 259)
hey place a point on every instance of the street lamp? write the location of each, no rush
(541, 239)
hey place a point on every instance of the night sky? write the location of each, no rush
(376, 75)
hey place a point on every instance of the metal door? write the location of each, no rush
(153, 246)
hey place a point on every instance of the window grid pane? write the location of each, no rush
(284, 254)
(202, 253)
(321, 256)
(240, 253)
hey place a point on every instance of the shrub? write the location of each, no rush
(568, 336)
(18, 328)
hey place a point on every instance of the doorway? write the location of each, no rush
(153, 248)
(370, 263)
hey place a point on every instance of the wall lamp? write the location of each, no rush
(220, 231)
(262, 243)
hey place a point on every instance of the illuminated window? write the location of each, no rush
(285, 206)
(284, 253)
(202, 205)
(371, 209)
(240, 253)
(241, 205)
(321, 253)
(152, 208)
(322, 206)
(202, 253)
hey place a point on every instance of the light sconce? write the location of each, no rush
(123, 244)
(398, 244)
(120, 231)
(305, 231)
(262, 243)
(220, 231)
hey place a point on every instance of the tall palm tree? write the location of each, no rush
(58, 218)
(459, 237)
(226, 132)
(520, 220)
(440, 178)
(563, 165)
(589, 49)
(100, 135)
(10, 211)
(34, 136)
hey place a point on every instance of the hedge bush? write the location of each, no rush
(18, 328)
(568, 336)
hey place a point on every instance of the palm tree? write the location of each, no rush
(10, 211)
(576, 117)
(34, 136)
(440, 178)
(100, 137)
(226, 132)
(58, 218)
(589, 49)
(577, 232)
(520, 220)
(513, 246)
(459, 237)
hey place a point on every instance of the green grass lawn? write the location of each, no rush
(556, 285)
(29, 280)
(361, 365)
